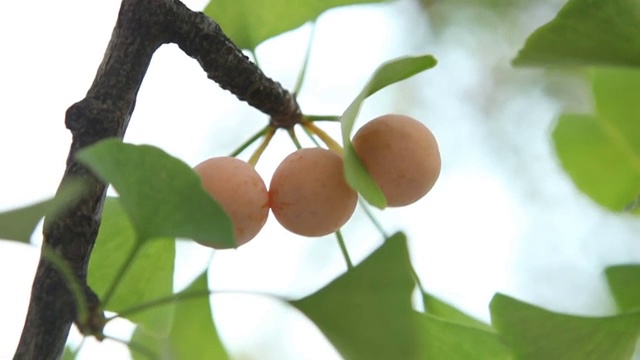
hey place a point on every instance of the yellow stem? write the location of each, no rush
(265, 142)
(328, 140)
(294, 138)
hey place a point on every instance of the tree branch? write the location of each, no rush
(142, 27)
(224, 63)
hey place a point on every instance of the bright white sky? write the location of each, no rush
(503, 216)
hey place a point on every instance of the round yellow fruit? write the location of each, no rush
(241, 192)
(309, 195)
(401, 155)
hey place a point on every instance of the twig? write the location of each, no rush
(141, 28)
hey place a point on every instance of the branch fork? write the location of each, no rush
(141, 28)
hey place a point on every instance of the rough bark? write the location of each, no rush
(142, 26)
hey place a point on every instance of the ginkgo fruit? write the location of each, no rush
(309, 195)
(401, 155)
(240, 191)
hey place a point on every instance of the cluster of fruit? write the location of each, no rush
(308, 193)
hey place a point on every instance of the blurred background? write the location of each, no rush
(503, 217)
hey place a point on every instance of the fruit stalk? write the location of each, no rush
(343, 249)
(328, 140)
(294, 138)
(248, 143)
(258, 153)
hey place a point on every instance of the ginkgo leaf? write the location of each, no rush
(587, 33)
(366, 313)
(19, 224)
(162, 195)
(534, 333)
(248, 23)
(149, 277)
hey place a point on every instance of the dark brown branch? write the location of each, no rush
(202, 39)
(142, 27)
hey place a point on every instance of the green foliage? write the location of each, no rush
(149, 276)
(387, 74)
(587, 32)
(193, 334)
(448, 340)
(441, 309)
(19, 224)
(162, 195)
(537, 334)
(248, 23)
(601, 152)
(366, 313)
(624, 283)
(68, 353)
(145, 346)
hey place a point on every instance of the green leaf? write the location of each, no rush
(146, 346)
(535, 333)
(441, 309)
(601, 152)
(366, 313)
(624, 283)
(587, 32)
(19, 224)
(149, 277)
(596, 161)
(387, 74)
(617, 98)
(248, 23)
(162, 195)
(193, 334)
(69, 354)
(447, 340)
